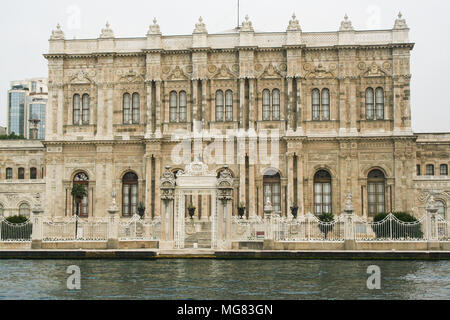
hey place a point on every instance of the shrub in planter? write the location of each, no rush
(141, 209)
(191, 209)
(294, 210)
(241, 209)
(398, 231)
(13, 230)
(326, 218)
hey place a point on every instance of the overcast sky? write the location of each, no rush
(25, 27)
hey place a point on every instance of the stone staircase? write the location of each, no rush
(202, 237)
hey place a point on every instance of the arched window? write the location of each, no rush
(1, 210)
(183, 106)
(33, 173)
(369, 104)
(129, 194)
(76, 109)
(9, 173)
(266, 105)
(376, 190)
(322, 192)
(83, 179)
(442, 209)
(86, 107)
(276, 104)
(136, 108)
(24, 210)
(229, 106)
(444, 170)
(316, 104)
(272, 189)
(173, 106)
(219, 105)
(379, 109)
(21, 174)
(325, 104)
(430, 170)
(126, 108)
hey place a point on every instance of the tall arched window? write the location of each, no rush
(369, 104)
(76, 109)
(183, 106)
(325, 104)
(219, 105)
(173, 106)
(266, 105)
(86, 107)
(443, 170)
(229, 106)
(379, 109)
(129, 194)
(272, 189)
(276, 105)
(9, 173)
(430, 170)
(83, 179)
(322, 192)
(21, 173)
(33, 173)
(316, 104)
(136, 108)
(442, 209)
(376, 189)
(126, 108)
(24, 210)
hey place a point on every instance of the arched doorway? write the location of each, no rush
(130, 194)
(83, 179)
(272, 189)
(322, 192)
(376, 191)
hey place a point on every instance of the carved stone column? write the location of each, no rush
(167, 187)
(225, 197)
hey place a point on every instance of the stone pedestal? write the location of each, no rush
(37, 234)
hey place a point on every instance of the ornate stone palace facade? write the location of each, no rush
(337, 103)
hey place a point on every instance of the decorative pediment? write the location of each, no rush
(177, 74)
(82, 77)
(374, 71)
(320, 72)
(130, 76)
(224, 73)
(197, 169)
(270, 72)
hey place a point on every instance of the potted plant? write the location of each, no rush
(241, 209)
(141, 209)
(79, 191)
(191, 209)
(294, 210)
(326, 227)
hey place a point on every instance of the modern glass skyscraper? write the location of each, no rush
(37, 111)
(27, 100)
(16, 111)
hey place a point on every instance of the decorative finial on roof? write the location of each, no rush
(107, 32)
(247, 24)
(346, 25)
(400, 23)
(57, 34)
(294, 24)
(154, 28)
(200, 27)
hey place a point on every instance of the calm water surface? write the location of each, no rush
(229, 280)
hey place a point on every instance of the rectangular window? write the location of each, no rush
(376, 198)
(430, 170)
(183, 107)
(444, 170)
(322, 198)
(229, 105)
(9, 174)
(173, 107)
(418, 173)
